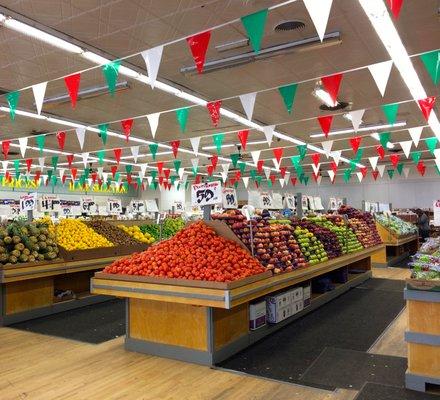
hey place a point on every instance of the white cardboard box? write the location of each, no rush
(307, 294)
(296, 294)
(257, 315)
(275, 314)
(297, 306)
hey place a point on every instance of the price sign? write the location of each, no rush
(151, 205)
(87, 205)
(277, 201)
(266, 200)
(179, 206)
(66, 210)
(114, 206)
(289, 200)
(137, 206)
(318, 203)
(206, 193)
(436, 209)
(161, 217)
(339, 203)
(333, 205)
(28, 202)
(304, 203)
(49, 203)
(229, 198)
(15, 210)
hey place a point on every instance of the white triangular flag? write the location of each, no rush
(373, 162)
(356, 118)
(266, 172)
(406, 172)
(195, 162)
(381, 73)
(80, 134)
(336, 156)
(185, 178)
(248, 103)
(276, 164)
(437, 154)
(100, 171)
(381, 169)
(255, 156)
(225, 167)
(319, 179)
(23, 141)
(331, 174)
(5, 166)
(360, 176)
(39, 90)
(281, 180)
(245, 181)
(327, 147)
(224, 176)
(268, 133)
(415, 134)
(316, 168)
(195, 142)
(287, 177)
(44, 178)
(181, 172)
(153, 120)
(41, 161)
(85, 157)
(406, 147)
(105, 176)
(152, 58)
(61, 171)
(319, 11)
(135, 153)
(143, 168)
(149, 180)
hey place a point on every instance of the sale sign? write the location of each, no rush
(229, 198)
(266, 200)
(28, 202)
(206, 194)
(114, 206)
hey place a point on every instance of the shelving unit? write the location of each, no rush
(206, 325)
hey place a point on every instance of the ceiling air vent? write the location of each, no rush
(292, 25)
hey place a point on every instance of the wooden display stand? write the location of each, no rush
(423, 335)
(396, 249)
(206, 325)
(27, 290)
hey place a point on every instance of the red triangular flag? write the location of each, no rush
(272, 179)
(375, 174)
(364, 171)
(37, 176)
(421, 168)
(214, 111)
(334, 167)
(214, 160)
(198, 45)
(175, 147)
(395, 6)
(315, 175)
(6, 144)
(29, 164)
(283, 172)
(355, 142)
(243, 136)
(126, 126)
(160, 180)
(237, 175)
(197, 179)
(72, 84)
(315, 158)
(73, 172)
(325, 123)
(114, 169)
(278, 153)
(117, 153)
(94, 176)
(331, 85)
(210, 170)
(293, 180)
(61, 137)
(380, 151)
(394, 158)
(159, 165)
(260, 164)
(69, 158)
(167, 172)
(426, 106)
(63, 179)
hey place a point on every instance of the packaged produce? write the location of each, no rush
(397, 226)
(113, 233)
(136, 233)
(74, 234)
(194, 253)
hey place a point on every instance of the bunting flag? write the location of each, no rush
(85, 157)
(152, 58)
(41, 139)
(347, 175)
(210, 170)
(295, 160)
(364, 171)
(72, 84)
(127, 124)
(390, 173)
(234, 159)
(358, 155)
(375, 174)
(153, 120)
(117, 153)
(334, 167)
(373, 162)
(426, 106)
(39, 90)
(384, 138)
(260, 164)
(69, 159)
(214, 160)
(431, 144)
(390, 111)
(12, 99)
(415, 134)
(195, 165)
(195, 143)
(431, 60)
(288, 93)
(198, 45)
(293, 180)
(355, 142)
(359, 176)
(336, 156)
(381, 169)
(381, 73)
(153, 150)
(255, 156)
(268, 133)
(103, 132)
(243, 137)
(113, 170)
(61, 138)
(315, 158)
(135, 152)
(267, 172)
(175, 147)
(302, 150)
(73, 173)
(80, 135)
(5, 166)
(356, 118)
(177, 164)
(399, 168)
(28, 164)
(6, 144)
(395, 6)
(327, 147)
(332, 175)
(278, 153)
(325, 123)
(54, 162)
(225, 167)
(406, 147)
(111, 72)
(254, 25)
(416, 155)
(316, 168)
(319, 12)
(406, 172)
(394, 158)
(242, 166)
(182, 118)
(332, 84)
(248, 104)
(218, 141)
(421, 168)
(214, 111)
(143, 168)
(22, 142)
(159, 166)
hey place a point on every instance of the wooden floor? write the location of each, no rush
(35, 367)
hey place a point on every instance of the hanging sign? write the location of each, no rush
(49, 203)
(229, 198)
(436, 208)
(9, 207)
(179, 207)
(318, 203)
(333, 205)
(88, 205)
(304, 203)
(206, 193)
(28, 202)
(137, 206)
(277, 200)
(289, 201)
(339, 202)
(151, 205)
(266, 200)
(114, 206)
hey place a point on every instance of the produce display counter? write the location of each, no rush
(206, 323)
(396, 248)
(423, 335)
(28, 290)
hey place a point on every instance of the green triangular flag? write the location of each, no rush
(178, 186)
(254, 25)
(359, 155)
(295, 160)
(347, 175)
(125, 186)
(302, 150)
(384, 138)
(16, 166)
(12, 98)
(236, 184)
(153, 174)
(258, 180)
(86, 173)
(49, 173)
(195, 170)
(186, 185)
(111, 71)
(153, 149)
(218, 141)
(306, 180)
(432, 64)
(288, 94)
(431, 144)
(399, 168)
(173, 179)
(177, 164)
(242, 166)
(101, 154)
(103, 132)
(390, 111)
(269, 183)
(234, 159)
(155, 184)
(182, 117)
(390, 173)
(415, 155)
(41, 139)
(54, 180)
(54, 162)
(117, 176)
(128, 169)
(253, 173)
(299, 169)
(352, 165)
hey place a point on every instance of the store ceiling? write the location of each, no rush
(122, 27)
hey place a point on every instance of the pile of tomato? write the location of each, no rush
(195, 253)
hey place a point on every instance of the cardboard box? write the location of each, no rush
(307, 295)
(257, 315)
(296, 294)
(278, 314)
(297, 306)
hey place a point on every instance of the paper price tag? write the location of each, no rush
(179, 207)
(87, 205)
(151, 205)
(49, 203)
(266, 200)
(137, 206)
(206, 194)
(114, 206)
(230, 198)
(28, 202)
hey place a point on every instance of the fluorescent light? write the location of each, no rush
(233, 145)
(95, 58)
(64, 122)
(366, 128)
(324, 96)
(128, 72)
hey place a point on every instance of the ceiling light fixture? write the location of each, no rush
(234, 145)
(366, 128)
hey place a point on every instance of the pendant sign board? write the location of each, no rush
(339, 202)
(137, 206)
(384, 207)
(333, 204)
(88, 205)
(28, 202)
(151, 205)
(70, 207)
(9, 207)
(289, 201)
(266, 200)
(318, 203)
(229, 198)
(277, 201)
(304, 203)
(371, 207)
(114, 206)
(49, 203)
(205, 194)
(436, 208)
(179, 206)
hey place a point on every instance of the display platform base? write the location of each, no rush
(395, 251)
